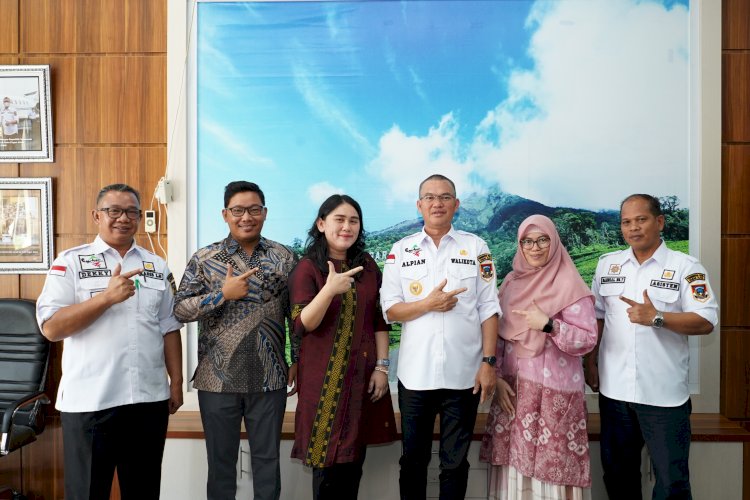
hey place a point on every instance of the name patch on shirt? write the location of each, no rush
(98, 273)
(695, 277)
(668, 285)
(152, 274)
(468, 262)
(93, 261)
(612, 279)
(410, 263)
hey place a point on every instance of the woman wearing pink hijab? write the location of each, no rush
(536, 439)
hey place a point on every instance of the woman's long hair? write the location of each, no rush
(316, 246)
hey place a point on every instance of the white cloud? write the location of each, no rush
(319, 192)
(233, 147)
(603, 113)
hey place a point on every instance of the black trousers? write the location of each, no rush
(221, 414)
(666, 433)
(458, 413)
(128, 438)
(338, 481)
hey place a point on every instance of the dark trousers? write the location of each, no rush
(666, 433)
(128, 438)
(338, 481)
(221, 414)
(458, 413)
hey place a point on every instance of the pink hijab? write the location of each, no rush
(553, 287)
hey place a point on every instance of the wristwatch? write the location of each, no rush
(548, 327)
(658, 320)
(383, 362)
(490, 360)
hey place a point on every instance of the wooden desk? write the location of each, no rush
(706, 427)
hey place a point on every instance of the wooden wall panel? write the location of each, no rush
(10, 286)
(93, 26)
(43, 463)
(735, 384)
(735, 97)
(108, 100)
(735, 24)
(8, 26)
(8, 169)
(735, 270)
(735, 178)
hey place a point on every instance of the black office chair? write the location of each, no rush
(24, 355)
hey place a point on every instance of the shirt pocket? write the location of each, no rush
(150, 293)
(462, 276)
(611, 293)
(414, 283)
(89, 287)
(663, 299)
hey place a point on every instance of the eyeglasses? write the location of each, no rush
(542, 242)
(116, 213)
(445, 198)
(254, 210)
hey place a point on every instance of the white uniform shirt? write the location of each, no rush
(118, 359)
(9, 119)
(641, 364)
(441, 350)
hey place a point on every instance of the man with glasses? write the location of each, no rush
(111, 301)
(440, 285)
(236, 289)
(649, 299)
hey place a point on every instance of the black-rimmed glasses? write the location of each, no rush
(116, 213)
(542, 242)
(254, 210)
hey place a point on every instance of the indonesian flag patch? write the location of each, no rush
(391, 259)
(58, 270)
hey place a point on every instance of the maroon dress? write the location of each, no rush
(335, 418)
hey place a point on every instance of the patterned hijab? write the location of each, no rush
(554, 286)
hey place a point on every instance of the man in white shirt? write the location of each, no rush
(111, 301)
(648, 300)
(9, 123)
(440, 284)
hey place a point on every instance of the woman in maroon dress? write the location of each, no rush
(344, 403)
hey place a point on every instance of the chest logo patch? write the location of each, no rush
(415, 287)
(614, 269)
(668, 274)
(93, 261)
(413, 250)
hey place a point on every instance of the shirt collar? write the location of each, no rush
(233, 246)
(452, 233)
(659, 256)
(101, 246)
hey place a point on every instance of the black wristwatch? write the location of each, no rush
(490, 360)
(548, 327)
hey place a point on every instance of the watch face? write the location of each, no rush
(658, 321)
(490, 360)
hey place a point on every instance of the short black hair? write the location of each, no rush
(654, 205)
(120, 188)
(240, 187)
(437, 177)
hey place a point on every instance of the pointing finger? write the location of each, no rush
(522, 313)
(230, 271)
(628, 301)
(116, 270)
(455, 292)
(442, 284)
(352, 272)
(247, 274)
(331, 268)
(132, 273)
(646, 299)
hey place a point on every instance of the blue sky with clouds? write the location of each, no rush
(572, 102)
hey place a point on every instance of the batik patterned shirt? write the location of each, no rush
(241, 343)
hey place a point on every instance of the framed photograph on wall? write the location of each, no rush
(25, 114)
(26, 239)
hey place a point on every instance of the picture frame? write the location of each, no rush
(26, 237)
(25, 114)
